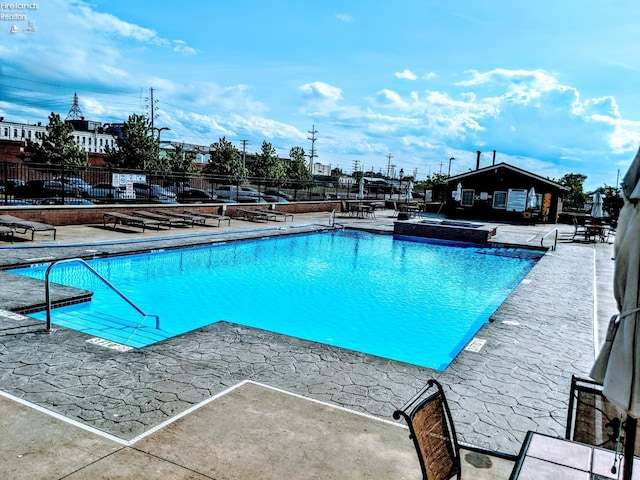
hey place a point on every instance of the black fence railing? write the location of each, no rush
(33, 184)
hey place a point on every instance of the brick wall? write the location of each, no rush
(60, 215)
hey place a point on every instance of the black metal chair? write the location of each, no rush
(434, 436)
(592, 419)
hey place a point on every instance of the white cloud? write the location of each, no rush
(344, 17)
(407, 74)
(428, 76)
(321, 91)
(182, 47)
(391, 98)
(107, 23)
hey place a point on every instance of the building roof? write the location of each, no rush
(506, 166)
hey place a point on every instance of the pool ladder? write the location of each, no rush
(332, 220)
(104, 280)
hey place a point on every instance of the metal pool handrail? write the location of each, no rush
(555, 241)
(332, 218)
(104, 280)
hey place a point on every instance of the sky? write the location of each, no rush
(551, 86)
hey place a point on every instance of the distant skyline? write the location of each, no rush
(552, 86)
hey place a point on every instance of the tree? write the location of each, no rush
(58, 146)
(437, 183)
(226, 160)
(268, 165)
(297, 169)
(137, 148)
(181, 161)
(576, 197)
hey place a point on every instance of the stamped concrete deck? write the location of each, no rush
(148, 412)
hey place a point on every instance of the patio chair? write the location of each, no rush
(26, 225)
(434, 436)
(592, 419)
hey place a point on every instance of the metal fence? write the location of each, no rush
(32, 184)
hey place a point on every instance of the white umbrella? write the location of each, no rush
(458, 194)
(361, 188)
(596, 206)
(532, 201)
(617, 366)
(410, 190)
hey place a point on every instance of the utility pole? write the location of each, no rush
(312, 155)
(151, 97)
(441, 163)
(244, 152)
(389, 157)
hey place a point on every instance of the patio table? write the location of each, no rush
(545, 457)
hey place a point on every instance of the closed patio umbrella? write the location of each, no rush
(617, 366)
(458, 195)
(361, 188)
(532, 201)
(596, 206)
(409, 190)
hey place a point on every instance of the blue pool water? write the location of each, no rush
(407, 300)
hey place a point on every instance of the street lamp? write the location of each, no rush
(449, 172)
(160, 130)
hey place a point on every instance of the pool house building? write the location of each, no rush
(503, 192)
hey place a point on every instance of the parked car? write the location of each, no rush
(74, 184)
(315, 197)
(41, 189)
(153, 193)
(106, 191)
(242, 194)
(193, 195)
(11, 185)
(278, 194)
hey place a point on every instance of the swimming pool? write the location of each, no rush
(404, 299)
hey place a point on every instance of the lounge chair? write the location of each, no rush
(210, 216)
(185, 216)
(283, 215)
(253, 214)
(6, 231)
(434, 436)
(26, 225)
(128, 220)
(163, 219)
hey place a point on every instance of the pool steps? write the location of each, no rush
(112, 328)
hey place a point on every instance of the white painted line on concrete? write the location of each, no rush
(62, 418)
(596, 337)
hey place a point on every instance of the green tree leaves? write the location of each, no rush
(58, 146)
(137, 148)
(226, 160)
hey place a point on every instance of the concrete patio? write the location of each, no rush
(228, 401)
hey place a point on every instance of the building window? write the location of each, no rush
(499, 199)
(6, 132)
(467, 198)
(15, 133)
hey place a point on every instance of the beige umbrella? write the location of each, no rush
(617, 366)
